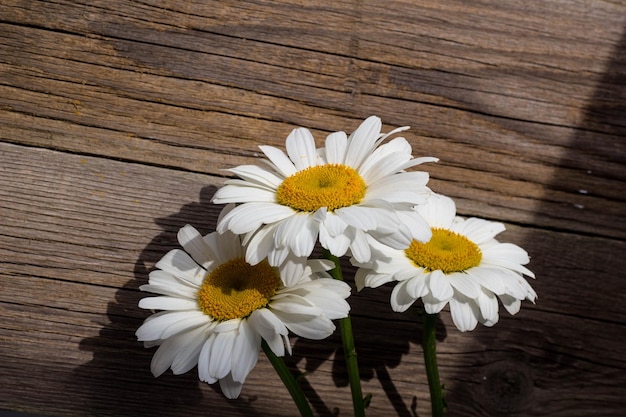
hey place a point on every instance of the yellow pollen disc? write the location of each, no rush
(446, 251)
(235, 289)
(332, 186)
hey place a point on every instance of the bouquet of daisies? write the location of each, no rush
(244, 288)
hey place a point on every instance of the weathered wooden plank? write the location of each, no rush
(526, 42)
(79, 234)
(514, 99)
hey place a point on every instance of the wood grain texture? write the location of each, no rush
(118, 117)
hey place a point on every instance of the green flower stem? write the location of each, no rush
(429, 343)
(349, 350)
(290, 382)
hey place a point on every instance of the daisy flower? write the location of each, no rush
(462, 264)
(216, 308)
(338, 194)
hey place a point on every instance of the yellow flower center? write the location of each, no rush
(235, 289)
(446, 251)
(332, 186)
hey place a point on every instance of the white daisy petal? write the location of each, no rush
(181, 265)
(418, 161)
(298, 232)
(319, 265)
(399, 239)
(511, 304)
(292, 270)
(230, 388)
(439, 212)
(225, 210)
(166, 303)
(339, 289)
(440, 286)
(375, 169)
(416, 287)
(432, 305)
(464, 284)
(301, 148)
(221, 354)
(390, 159)
(154, 327)
(336, 244)
(393, 132)
(187, 358)
(396, 146)
(359, 248)
(489, 278)
(320, 214)
(282, 163)
(358, 217)
(223, 246)
(191, 240)
(480, 231)
(246, 350)
(313, 327)
(362, 141)
(417, 226)
(361, 275)
(182, 290)
(375, 281)
(164, 356)
(170, 348)
(204, 358)
(270, 328)
(401, 300)
(387, 220)
(250, 216)
(336, 145)
(260, 244)
(227, 325)
(330, 303)
(406, 187)
(333, 309)
(334, 225)
(257, 175)
(488, 304)
(278, 255)
(332, 234)
(514, 284)
(463, 314)
(293, 304)
(192, 320)
(242, 192)
(371, 280)
(508, 256)
(165, 279)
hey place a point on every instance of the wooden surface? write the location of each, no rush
(118, 116)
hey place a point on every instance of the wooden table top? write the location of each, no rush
(118, 118)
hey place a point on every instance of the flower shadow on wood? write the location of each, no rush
(120, 367)
(383, 339)
(562, 356)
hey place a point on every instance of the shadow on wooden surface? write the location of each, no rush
(116, 344)
(378, 352)
(515, 380)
